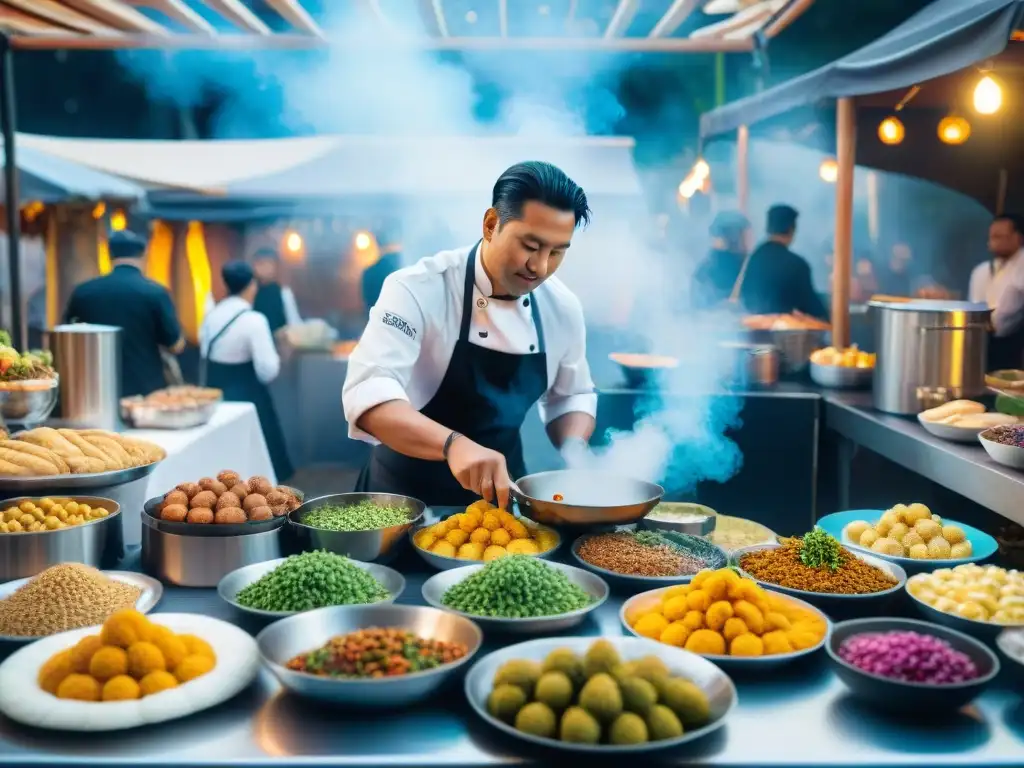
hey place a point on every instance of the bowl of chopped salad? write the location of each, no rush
(28, 384)
(379, 656)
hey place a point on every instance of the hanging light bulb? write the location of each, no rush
(988, 96)
(954, 130)
(891, 130)
(829, 170)
(118, 221)
(362, 241)
(701, 169)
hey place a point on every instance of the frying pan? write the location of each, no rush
(152, 509)
(589, 498)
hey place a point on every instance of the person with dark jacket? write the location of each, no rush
(275, 301)
(778, 281)
(390, 260)
(140, 307)
(716, 275)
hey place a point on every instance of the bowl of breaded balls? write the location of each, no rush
(224, 504)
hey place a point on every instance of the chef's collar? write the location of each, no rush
(483, 282)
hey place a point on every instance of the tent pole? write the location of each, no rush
(846, 145)
(12, 198)
(743, 167)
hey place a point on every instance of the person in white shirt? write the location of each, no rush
(999, 283)
(275, 301)
(461, 345)
(239, 357)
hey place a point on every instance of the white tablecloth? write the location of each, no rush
(232, 439)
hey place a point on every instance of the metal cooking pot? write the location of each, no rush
(929, 352)
(752, 365)
(588, 498)
(794, 345)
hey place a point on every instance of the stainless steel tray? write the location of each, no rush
(151, 417)
(152, 591)
(59, 485)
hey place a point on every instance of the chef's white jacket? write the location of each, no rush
(409, 339)
(291, 307)
(1002, 290)
(248, 339)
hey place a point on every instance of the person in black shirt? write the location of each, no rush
(273, 300)
(777, 280)
(390, 249)
(140, 307)
(715, 276)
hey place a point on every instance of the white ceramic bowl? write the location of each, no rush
(1007, 455)
(951, 432)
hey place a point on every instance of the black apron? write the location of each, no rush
(485, 395)
(270, 302)
(241, 384)
(1005, 352)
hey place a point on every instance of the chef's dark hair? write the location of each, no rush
(1015, 219)
(237, 276)
(542, 183)
(781, 219)
(123, 244)
(266, 254)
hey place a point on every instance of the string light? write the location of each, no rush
(829, 170)
(363, 241)
(891, 130)
(988, 96)
(954, 129)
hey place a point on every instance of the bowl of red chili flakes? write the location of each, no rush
(379, 656)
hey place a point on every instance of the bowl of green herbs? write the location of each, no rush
(369, 527)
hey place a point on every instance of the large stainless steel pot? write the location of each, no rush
(88, 359)
(929, 352)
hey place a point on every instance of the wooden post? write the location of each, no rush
(846, 145)
(743, 168)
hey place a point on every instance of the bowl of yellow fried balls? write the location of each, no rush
(130, 671)
(911, 535)
(481, 534)
(728, 619)
(977, 600)
(842, 368)
(42, 515)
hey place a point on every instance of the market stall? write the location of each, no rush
(901, 104)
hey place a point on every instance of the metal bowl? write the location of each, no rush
(827, 600)
(1007, 455)
(435, 587)
(69, 485)
(839, 377)
(285, 639)
(643, 371)
(717, 686)
(703, 522)
(30, 402)
(99, 543)
(645, 601)
(151, 513)
(442, 563)
(381, 544)
(229, 587)
(590, 498)
(795, 345)
(633, 583)
(911, 697)
(152, 591)
(983, 630)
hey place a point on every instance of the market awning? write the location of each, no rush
(47, 178)
(663, 25)
(944, 37)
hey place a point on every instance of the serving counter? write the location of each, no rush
(799, 715)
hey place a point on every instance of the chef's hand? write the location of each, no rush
(480, 470)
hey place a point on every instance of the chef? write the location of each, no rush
(239, 357)
(461, 345)
(999, 282)
(275, 301)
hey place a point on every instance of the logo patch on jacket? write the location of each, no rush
(399, 323)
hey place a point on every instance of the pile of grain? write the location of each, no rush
(61, 598)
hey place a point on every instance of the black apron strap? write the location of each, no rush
(209, 349)
(541, 346)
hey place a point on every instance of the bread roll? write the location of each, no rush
(953, 408)
(60, 465)
(985, 420)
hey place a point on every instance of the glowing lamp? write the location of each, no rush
(954, 130)
(829, 170)
(99, 210)
(118, 221)
(293, 242)
(988, 96)
(363, 241)
(891, 131)
(701, 169)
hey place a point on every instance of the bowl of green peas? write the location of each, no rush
(369, 527)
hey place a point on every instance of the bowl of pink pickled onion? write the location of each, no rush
(908, 665)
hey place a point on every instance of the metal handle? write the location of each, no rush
(517, 494)
(968, 327)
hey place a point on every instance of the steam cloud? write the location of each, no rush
(622, 281)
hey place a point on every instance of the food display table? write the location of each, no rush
(232, 438)
(799, 715)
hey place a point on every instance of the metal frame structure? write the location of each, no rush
(123, 24)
